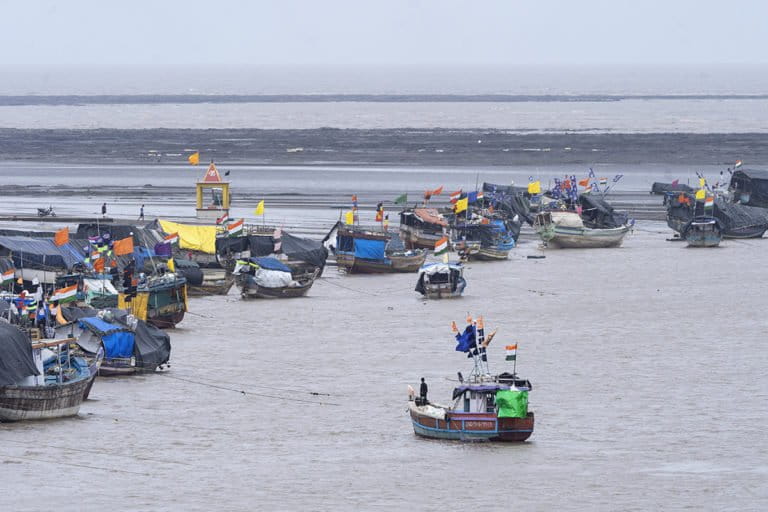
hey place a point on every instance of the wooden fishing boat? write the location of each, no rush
(474, 415)
(486, 407)
(565, 229)
(50, 389)
(160, 300)
(268, 278)
(703, 232)
(216, 281)
(421, 228)
(371, 252)
(441, 281)
(491, 241)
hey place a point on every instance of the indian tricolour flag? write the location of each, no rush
(67, 294)
(709, 202)
(441, 246)
(223, 219)
(738, 164)
(236, 228)
(455, 196)
(7, 276)
(603, 181)
(173, 238)
(511, 352)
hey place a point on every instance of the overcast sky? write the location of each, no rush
(45, 34)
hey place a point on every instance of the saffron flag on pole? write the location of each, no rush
(259, 208)
(534, 187)
(584, 182)
(194, 158)
(441, 246)
(511, 352)
(173, 238)
(123, 246)
(461, 205)
(61, 237)
(67, 294)
(437, 191)
(235, 228)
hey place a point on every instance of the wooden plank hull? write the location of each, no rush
(473, 427)
(18, 403)
(166, 321)
(415, 238)
(391, 265)
(582, 238)
(259, 292)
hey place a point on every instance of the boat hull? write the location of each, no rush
(473, 427)
(393, 264)
(259, 292)
(698, 240)
(415, 238)
(20, 403)
(166, 321)
(564, 237)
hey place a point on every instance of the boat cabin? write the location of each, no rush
(481, 397)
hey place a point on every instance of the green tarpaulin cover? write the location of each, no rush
(512, 404)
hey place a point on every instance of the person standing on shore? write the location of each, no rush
(104, 209)
(141, 213)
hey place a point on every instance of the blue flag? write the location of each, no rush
(466, 340)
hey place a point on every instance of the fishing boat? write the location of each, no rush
(564, 229)
(441, 280)
(365, 251)
(129, 345)
(268, 278)
(485, 407)
(39, 383)
(703, 232)
(420, 228)
(736, 220)
(486, 240)
(160, 300)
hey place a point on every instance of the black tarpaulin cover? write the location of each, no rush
(190, 270)
(750, 186)
(664, 188)
(16, 362)
(598, 214)
(296, 248)
(6, 264)
(40, 253)
(231, 244)
(736, 220)
(512, 201)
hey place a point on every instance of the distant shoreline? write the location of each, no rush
(134, 99)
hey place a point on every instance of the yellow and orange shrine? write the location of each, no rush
(212, 195)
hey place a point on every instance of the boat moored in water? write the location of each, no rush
(486, 407)
(441, 280)
(268, 278)
(366, 251)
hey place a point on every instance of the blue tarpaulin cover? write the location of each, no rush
(270, 264)
(31, 252)
(117, 340)
(369, 249)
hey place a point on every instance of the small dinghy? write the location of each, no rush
(268, 278)
(441, 280)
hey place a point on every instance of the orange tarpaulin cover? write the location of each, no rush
(430, 215)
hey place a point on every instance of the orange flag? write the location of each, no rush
(61, 237)
(123, 246)
(98, 265)
(584, 182)
(437, 191)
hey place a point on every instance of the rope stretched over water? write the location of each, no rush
(62, 463)
(244, 392)
(348, 288)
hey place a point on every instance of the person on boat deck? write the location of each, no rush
(423, 392)
(104, 209)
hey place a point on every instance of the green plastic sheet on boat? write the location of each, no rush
(512, 404)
